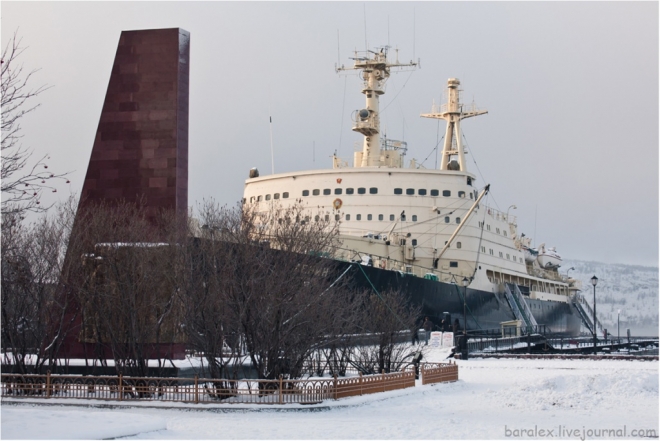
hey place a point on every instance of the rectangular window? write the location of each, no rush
(285, 195)
(435, 192)
(369, 217)
(391, 217)
(337, 217)
(276, 196)
(507, 256)
(358, 217)
(421, 192)
(497, 230)
(398, 191)
(268, 197)
(458, 220)
(470, 195)
(259, 198)
(380, 217)
(453, 264)
(504, 233)
(461, 194)
(316, 192)
(305, 192)
(490, 250)
(414, 218)
(410, 191)
(483, 249)
(327, 191)
(447, 220)
(362, 190)
(348, 217)
(446, 193)
(252, 199)
(327, 217)
(350, 191)
(458, 245)
(414, 242)
(403, 217)
(373, 190)
(338, 190)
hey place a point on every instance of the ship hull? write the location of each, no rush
(484, 310)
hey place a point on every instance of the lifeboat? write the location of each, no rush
(548, 259)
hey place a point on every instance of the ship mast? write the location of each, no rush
(375, 72)
(453, 112)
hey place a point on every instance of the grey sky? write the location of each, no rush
(571, 89)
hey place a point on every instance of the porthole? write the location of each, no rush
(421, 192)
(414, 218)
(446, 193)
(276, 196)
(350, 191)
(373, 190)
(316, 192)
(268, 197)
(447, 220)
(285, 195)
(327, 191)
(369, 217)
(391, 217)
(410, 191)
(380, 217)
(358, 217)
(398, 191)
(305, 193)
(362, 190)
(435, 192)
(338, 190)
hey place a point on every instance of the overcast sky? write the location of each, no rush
(571, 136)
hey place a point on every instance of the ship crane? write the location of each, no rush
(375, 72)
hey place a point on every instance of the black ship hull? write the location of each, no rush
(484, 310)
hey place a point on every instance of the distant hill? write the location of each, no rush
(633, 289)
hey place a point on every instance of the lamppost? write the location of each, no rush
(465, 282)
(507, 211)
(569, 270)
(618, 329)
(594, 282)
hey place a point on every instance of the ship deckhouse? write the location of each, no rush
(421, 222)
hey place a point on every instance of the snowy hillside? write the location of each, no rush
(630, 288)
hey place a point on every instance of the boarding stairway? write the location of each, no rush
(520, 307)
(586, 313)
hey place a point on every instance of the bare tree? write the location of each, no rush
(276, 292)
(23, 179)
(34, 313)
(387, 318)
(127, 292)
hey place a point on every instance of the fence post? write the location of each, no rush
(360, 383)
(121, 388)
(334, 381)
(196, 390)
(48, 384)
(383, 378)
(281, 391)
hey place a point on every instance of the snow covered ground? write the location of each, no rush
(493, 399)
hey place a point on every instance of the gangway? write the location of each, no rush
(519, 306)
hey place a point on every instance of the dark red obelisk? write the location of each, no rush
(141, 147)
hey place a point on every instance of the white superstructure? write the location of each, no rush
(423, 222)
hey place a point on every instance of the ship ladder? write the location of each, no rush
(518, 310)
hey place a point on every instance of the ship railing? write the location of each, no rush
(499, 215)
(463, 108)
(583, 302)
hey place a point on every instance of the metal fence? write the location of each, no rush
(201, 390)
